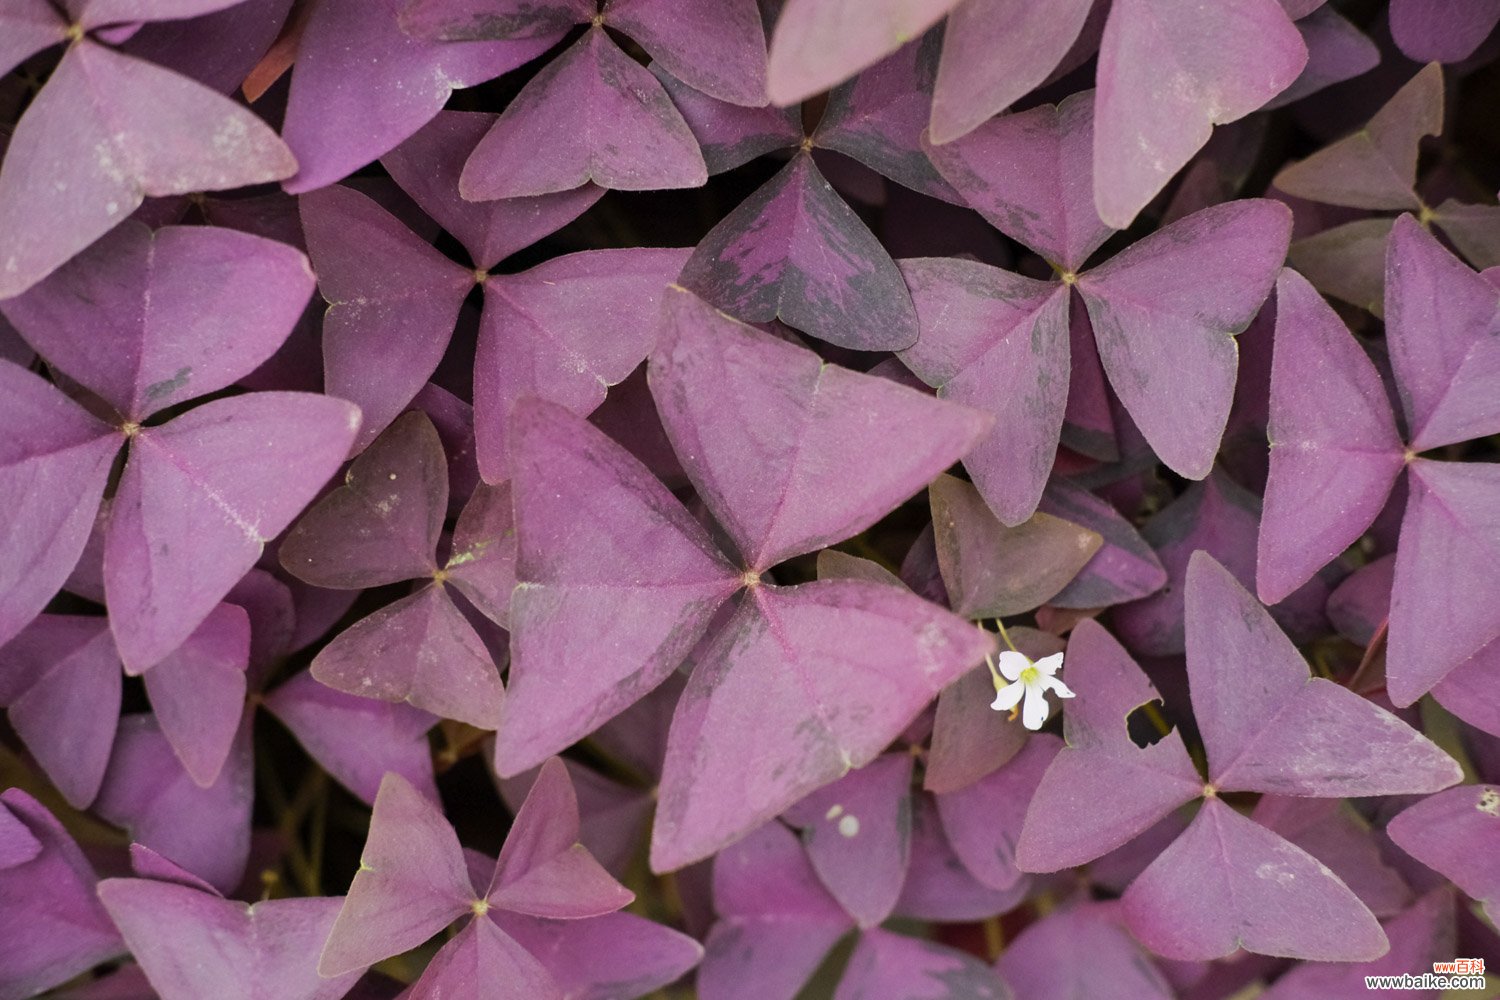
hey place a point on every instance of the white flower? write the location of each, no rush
(1031, 681)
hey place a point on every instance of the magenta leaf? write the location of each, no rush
(347, 108)
(192, 944)
(420, 650)
(411, 883)
(817, 45)
(617, 956)
(1336, 51)
(1441, 326)
(998, 342)
(794, 250)
(1442, 30)
(50, 919)
(888, 964)
(392, 303)
(97, 13)
(148, 320)
(1334, 833)
(1269, 727)
(775, 440)
(1453, 833)
(716, 47)
(483, 959)
(776, 921)
(730, 135)
(475, 20)
(543, 871)
(1101, 789)
(198, 692)
(54, 464)
(994, 53)
(1347, 262)
(68, 709)
(428, 165)
(1228, 883)
(482, 565)
(1335, 450)
(382, 526)
(199, 499)
(1042, 962)
(1165, 311)
(582, 583)
(938, 886)
(134, 130)
(983, 820)
(1376, 167)
(564, 331)
(147, 791)
(857, 834)
(1124, 569)
(1030, 176)
(593, 114)
(356, 739)
(1167, 74)
(26, 28)
(835, 670)
(1441, 607)
(992, 571)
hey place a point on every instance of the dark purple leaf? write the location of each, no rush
(198, 692)
(1442, 30)
(717, 47)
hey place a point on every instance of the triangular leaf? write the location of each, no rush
(198, 692)
(1453, 833)
(818, 44)
(717, 47)
(885, 963)
(483, 960)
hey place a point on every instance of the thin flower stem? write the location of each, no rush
(994, 938)
(1006, 636)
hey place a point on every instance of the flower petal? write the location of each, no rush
(1012, 663)
(1049, 665)
(1053, 684)
(1034, 712)
(1007, 697)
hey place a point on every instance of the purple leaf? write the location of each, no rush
(992, 571)
(1442, 321)
(67, 713)
(969, 740)
(778, 443)
(1029, 174)
(939, 887)
(1442, 30)
(716, 47)
(564, 331)
(148, 320)
(776, 921)
(617, 956)
(357, 740)
(1335, 450)
(475, 20)
(994, 53)
(592, 114)
(217, 48)
(1347, 262)
(878, 119)
(1101, 789)
(428, 165)
(887, 964)
(411, 883)
(1442, 611)
(50, 920)
(857, 834)
(192, 944)
(482, 953)
(1169, 72)
(1454, 833)
(639, 579)
(1042, 963)
(795, 251)
(198, 692)
(543, 871)
(147, 791)
(482, 565)
(1269, 727)
(382, 526)
(1332, 832)
(1376, 167)
(392, 303)
(983, 821)
(998, 342)
(134, 129)
(97, 13)
(199, 499)
(29, 26)
(816, 45)
(17, 845)
(54, 464)
(1124, 569)
(1228, 882)
(1336, 51)
(420, 650)
(1164, 313)
(362, 86)
(730, 135)
(801, 685)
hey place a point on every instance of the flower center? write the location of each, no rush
(480, 907)
(1030, 676)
